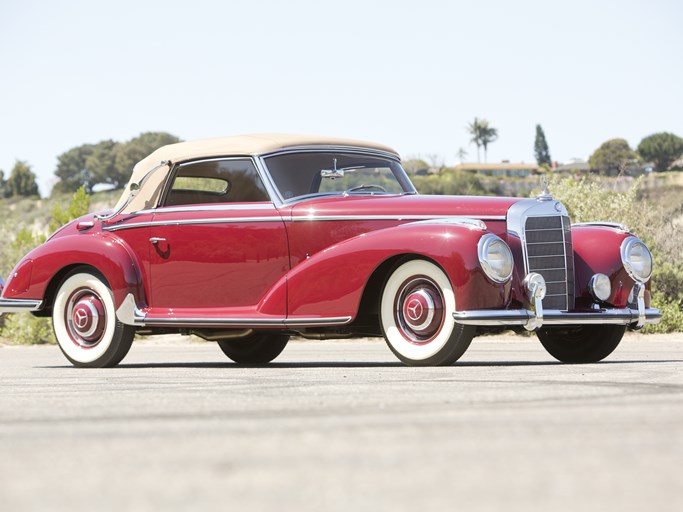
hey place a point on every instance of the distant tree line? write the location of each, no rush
(616, 157)
(110, 163)
(106, 163)
(612, 158)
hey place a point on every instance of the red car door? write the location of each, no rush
(218, 241)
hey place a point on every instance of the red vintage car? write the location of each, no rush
(249, 240)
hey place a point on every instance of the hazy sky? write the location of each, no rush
(410, 74)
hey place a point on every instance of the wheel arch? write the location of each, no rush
(372, 293)
(58, 278)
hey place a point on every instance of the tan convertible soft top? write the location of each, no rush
(243, 145)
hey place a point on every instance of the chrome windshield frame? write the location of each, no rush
(280, 201)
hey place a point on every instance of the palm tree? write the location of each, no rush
(462, 154)
(488, 135)
(474, 128)
(482, 135)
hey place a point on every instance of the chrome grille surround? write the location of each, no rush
(544, 230)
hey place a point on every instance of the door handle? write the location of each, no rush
(156, 239)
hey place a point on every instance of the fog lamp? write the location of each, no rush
(600, 287)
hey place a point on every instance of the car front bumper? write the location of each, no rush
(532, 320)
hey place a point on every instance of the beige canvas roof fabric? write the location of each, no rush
(242, 145)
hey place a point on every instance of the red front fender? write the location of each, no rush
(597, 249)
(331, 282)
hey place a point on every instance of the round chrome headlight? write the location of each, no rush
(495, 258)
(637, 259)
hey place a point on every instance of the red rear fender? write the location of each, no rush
(58, 256)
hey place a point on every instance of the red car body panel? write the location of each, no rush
(274, 264)
(215, 263)
(304, 261)
(597, 249)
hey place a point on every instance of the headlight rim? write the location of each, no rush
(625, 250)
(483, 246)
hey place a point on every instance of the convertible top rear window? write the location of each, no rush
(297, 175)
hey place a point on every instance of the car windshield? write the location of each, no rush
(298, 175)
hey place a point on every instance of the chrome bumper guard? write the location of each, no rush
(531, 320)
(19, 305)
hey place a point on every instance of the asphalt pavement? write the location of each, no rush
(343, 426)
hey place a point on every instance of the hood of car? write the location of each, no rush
(403, 207)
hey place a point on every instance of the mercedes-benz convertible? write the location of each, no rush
(249, 240)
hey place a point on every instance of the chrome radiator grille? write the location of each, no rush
(549, 253)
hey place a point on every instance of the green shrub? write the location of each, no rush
(453, 182)
(672, 314)
(26, 329)
(592, 200)
(80, 203)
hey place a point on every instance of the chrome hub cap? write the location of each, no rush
(85, 318)
(419, 310)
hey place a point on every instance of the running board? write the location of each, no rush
(128, 313)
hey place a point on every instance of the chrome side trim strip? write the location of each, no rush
(305, 322)
(551, 317)
(19, 305)
(457, 219)
(221, 322)
(208, 208)
(128, 313)
(614, 225)
(221, 220)
(446, 218)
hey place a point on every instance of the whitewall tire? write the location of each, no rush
(416, 315)
(85, 324)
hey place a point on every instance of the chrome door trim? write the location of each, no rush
(446, 218)
(128, 313)
(208, 208)
(187, 222)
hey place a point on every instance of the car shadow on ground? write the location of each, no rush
(358, 364)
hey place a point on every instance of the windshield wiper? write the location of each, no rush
(362, 187)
